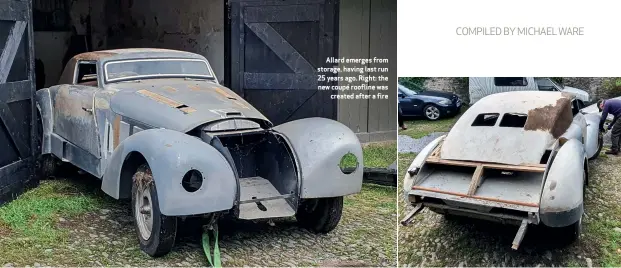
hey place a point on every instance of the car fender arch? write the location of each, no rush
(170, 155)
(318, 145)
(561, 202)
(44, 107)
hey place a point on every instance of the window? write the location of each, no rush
(576, 106)
(513, 120)
(485, 120)
(406, 91)
(86, 74)
(149, 68)
(510, 81)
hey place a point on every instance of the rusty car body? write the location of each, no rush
(156, 126)
(514, 157)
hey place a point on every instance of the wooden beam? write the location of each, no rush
(10, 49)
(476, 180)
(525, 168)
(281, 47)
(476, 197)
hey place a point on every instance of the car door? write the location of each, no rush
(74, 119)
(407, 101)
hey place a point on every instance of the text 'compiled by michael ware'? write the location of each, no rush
(355, 79)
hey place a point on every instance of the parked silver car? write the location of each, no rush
(157, 127)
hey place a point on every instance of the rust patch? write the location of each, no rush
(170, 89)
(117, 129)
(66, 107)
(224, 93)
(551, 118)
(194, 87)
(95, 55)
(187, 109)
(159, 98)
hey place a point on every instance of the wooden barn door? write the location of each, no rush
(276, 48)
(17, 123)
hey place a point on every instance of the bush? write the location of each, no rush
(412, 81)
(611, 88)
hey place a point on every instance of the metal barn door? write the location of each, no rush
(276, 48)
(17, 123)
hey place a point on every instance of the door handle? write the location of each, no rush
(89, 110)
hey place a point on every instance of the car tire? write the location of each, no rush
(600, 145)
(320, 215)
(47, 166)
(431, 112)
(156, 232)
(569, 234)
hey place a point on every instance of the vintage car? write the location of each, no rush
(514, 157)
(156, 126)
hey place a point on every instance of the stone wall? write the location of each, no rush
(596, 86)
(457, 85)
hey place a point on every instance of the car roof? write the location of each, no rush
(135, 53)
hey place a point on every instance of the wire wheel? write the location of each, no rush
(144, 217)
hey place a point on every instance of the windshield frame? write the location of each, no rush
(140, 77)
(557, 85)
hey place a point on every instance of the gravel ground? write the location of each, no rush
(105, 236)
(434, 240)
(408, 144)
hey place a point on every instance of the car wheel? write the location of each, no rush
(320, 215)
(431, 112)
(600, 144)
(47, 166)
(156, 232)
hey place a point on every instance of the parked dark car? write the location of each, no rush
(431, 104)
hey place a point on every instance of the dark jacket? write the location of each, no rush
(613, 107)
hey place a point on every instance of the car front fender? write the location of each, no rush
(170, 155)
(319, 144)
(561, 201)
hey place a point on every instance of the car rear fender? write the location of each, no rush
(318, 145)
(562, 193)
(170, 155)
(417, 164)
(44, 107)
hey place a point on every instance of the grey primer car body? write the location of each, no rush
(108, 123)
(515, 157)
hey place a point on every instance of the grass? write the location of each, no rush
(420, 127)
(32, 219)
(376, 155)
(42, 226)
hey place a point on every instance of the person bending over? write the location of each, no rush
(613, 107)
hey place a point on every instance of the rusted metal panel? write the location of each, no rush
(170, 154)
(509, 145)
(313, 137)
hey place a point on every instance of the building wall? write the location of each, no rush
(367, 29)
(50, 47)
(457, 85)
(190, 25)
